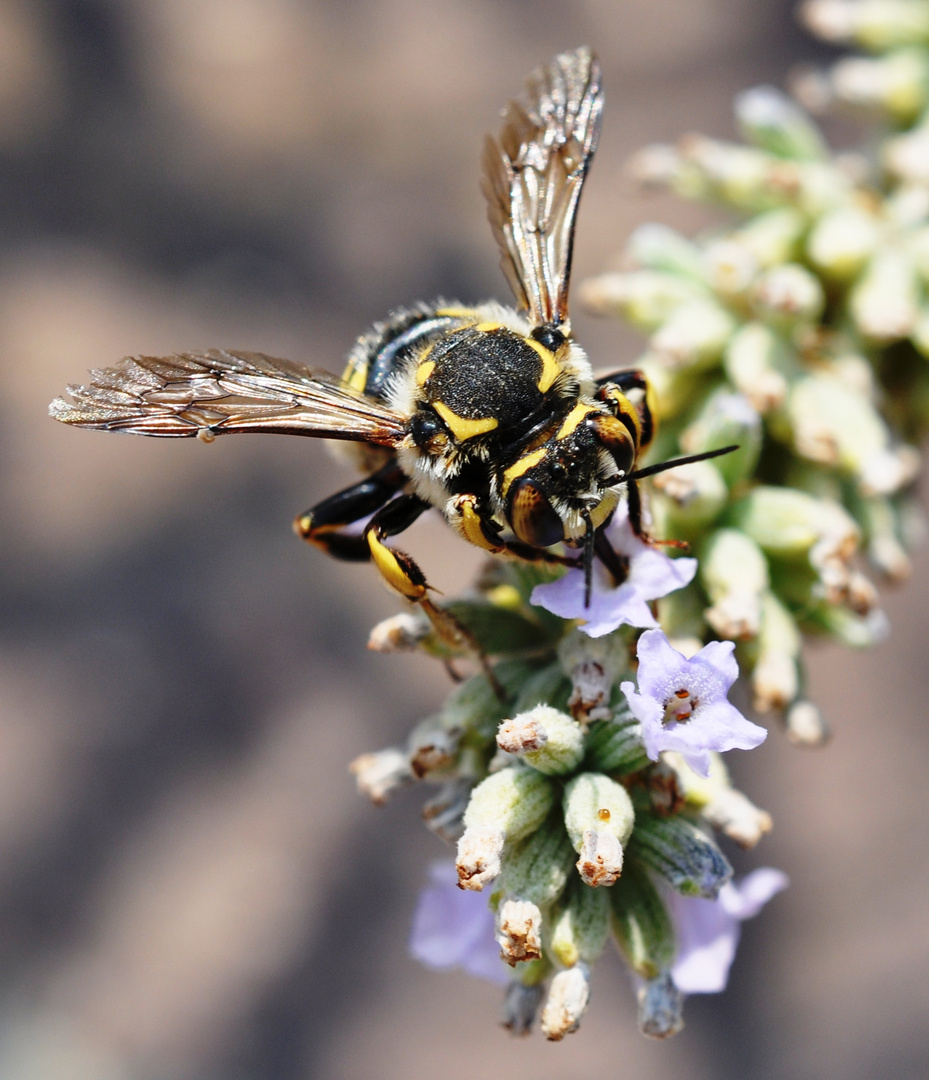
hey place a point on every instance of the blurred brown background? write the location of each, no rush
(190, 889)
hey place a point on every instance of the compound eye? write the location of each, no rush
(532, 516)
(615, 438)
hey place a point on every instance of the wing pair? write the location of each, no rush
(533, 175)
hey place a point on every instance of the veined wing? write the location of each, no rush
(533, 175)
(215, 392)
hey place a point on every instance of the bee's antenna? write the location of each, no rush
(589, 538)
(662, 466)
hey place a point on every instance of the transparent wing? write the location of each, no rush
(533, 175)
(215, 392)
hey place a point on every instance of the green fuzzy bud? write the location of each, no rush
(673, 390)
(759, 362)
(789, 523)
(873, 24)
(615, 746)
(734, 573)
(898, 83)
(906, 157)
(773, 237)
(661, 1007)
(694, 335)
(675, 848)
(641, 924)
(498, 630)
(770, 120)
(537, 869)
(789, 296)
(550, 741)
(688, 499)
(595, 666)
(581, 925)
(599, 817)
(659, 247)
(842, 241)
(855, 631)
(776, 674)
(726, 419)
(647, 298)
(504, 808)
(475, 708)
(885, 303)
(884, 538)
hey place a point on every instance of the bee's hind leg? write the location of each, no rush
(323, 524)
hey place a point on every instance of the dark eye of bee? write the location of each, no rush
(532, 517)
(426, 427)
(549, 336)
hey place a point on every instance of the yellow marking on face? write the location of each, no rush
(461, 427)
(521, 466)
(423, 372)
(550, 368)
(393, 573)
(573, 420)
(604, 508)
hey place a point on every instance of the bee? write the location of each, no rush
(490, 414)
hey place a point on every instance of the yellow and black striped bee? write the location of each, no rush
(488, 413)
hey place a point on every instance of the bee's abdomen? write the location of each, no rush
(388, 345)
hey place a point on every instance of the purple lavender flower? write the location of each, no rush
(652, 574)
(454, 928)
(708, 931)
(682, 703)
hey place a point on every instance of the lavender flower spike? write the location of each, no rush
(707, 931)
(652, 574)
(682, 703)
(453, 928)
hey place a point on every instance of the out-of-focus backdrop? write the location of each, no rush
(190, 888)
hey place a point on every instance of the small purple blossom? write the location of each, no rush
(708, 931)
(682, 704)
(652, 574)
(454, 928)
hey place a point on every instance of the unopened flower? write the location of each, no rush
(682, 704)
(454, 928)
(708, 931)
(652, 574)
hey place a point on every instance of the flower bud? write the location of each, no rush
(693, 496)
(444, 812)
(791, 524)
(788, 295)
(400, 633)
(730, 267)
(775, 677)
(474, 707)
(774, 236)
(661, 1007)
(615, 746)
(906, 156)
(842, 241)
(567, 999)
(581, 924)
(548, 685)
(770, 120)
(806, 726)
(873, 24)
(536, 870)
(544, 738)
(885, 303)
(659, 247)
(599, 818)
(432, 746)
(498, 630)
(647, 298)
(675, 848)
(734, 573)
(720, 804)
(641, 923)
(896, 83)
(885, 549)
(505, 807)
(594, 666)
(726, 419)
(519, 930)
(520, 1006)
(380, 774)
(694, 335)
(758, 361)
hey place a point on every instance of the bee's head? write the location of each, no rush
(567, 487)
